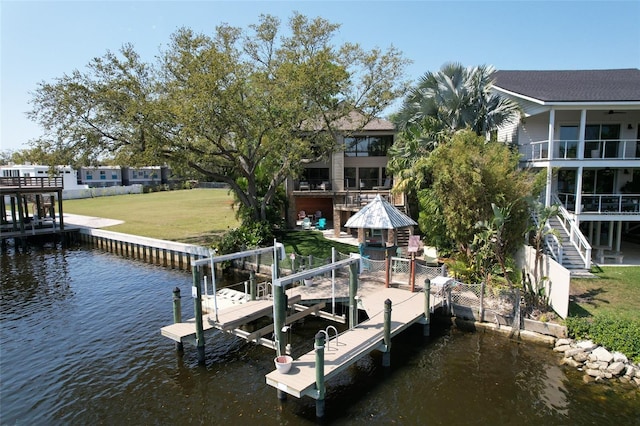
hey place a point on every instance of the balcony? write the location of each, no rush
(605, 204)
(611, 149)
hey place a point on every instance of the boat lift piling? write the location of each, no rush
(177, 313)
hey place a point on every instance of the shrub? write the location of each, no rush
(615, 334)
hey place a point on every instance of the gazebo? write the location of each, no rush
(380, 215)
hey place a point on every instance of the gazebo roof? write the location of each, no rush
(379, 214)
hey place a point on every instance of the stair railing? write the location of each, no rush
(576, 237)
(552, 243)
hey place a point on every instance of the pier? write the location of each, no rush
(389, 310)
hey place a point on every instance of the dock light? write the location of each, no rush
(285, 329)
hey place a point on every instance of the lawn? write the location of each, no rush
(615, 291)
(190, 216)
(312, 243)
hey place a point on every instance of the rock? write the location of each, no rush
(602, 354)
(630, 371)
(637, 380)
(602, 365)
(616, 368)
(592, 365)
(562, 348)
(620, 357)
(573, 352)
(563, 342)
(594, 373)
(580, 357)
(587, 378)
(571, 362)
(608, 375)
(587, 345)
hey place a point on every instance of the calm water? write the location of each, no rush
(80, 344)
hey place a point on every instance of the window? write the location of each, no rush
(367, 146)
(350, 177)
(89, 175)
(368, 177)
(602, 139)
(103, 175)
(114, 175)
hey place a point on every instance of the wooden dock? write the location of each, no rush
(341, 352)
(230, 319)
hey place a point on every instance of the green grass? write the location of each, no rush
(312, 243)
(193, 216)
(616, 291)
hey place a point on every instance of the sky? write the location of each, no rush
(44, 40)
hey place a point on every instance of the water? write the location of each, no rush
(80, 344)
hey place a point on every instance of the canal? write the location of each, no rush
(80, 343)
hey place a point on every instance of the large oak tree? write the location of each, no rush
(247, 107)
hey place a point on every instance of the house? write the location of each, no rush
(67, 173)
(352, 176)
(583, 127)
(101, 176)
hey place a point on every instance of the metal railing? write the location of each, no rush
(602, 203)
(609, 149)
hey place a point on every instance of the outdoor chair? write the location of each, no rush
(322, 224)
(301, 215)
(306, 223)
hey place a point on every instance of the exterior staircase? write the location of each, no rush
(571, 258)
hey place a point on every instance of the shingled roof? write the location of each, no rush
(615, 85)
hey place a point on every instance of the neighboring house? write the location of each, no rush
(68, 174)
(105, 176)
(584, 128)
(353, 175)
(101, 176)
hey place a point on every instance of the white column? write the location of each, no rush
(550, 148)
(583, 126)
(578, 208)
(610, 236)
(619, 236)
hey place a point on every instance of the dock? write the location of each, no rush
(228, 319)
(348, 347)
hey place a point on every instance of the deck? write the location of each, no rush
(341, 352)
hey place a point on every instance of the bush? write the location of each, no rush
(250, 235)
(613, 333)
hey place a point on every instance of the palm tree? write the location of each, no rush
(452, 99)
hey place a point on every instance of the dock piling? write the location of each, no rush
(320, 388)
(386, 356)
(197, 307)
(177, 313)
(353, 288)
(426, 331)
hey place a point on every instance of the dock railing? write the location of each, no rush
(22, 182)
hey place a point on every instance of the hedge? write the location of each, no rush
(615, 334)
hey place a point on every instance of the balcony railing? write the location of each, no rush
(21, 182)
(611, 149)
(602, 203)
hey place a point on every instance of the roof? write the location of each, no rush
(379, 214)
(612, 85)
(354, 121)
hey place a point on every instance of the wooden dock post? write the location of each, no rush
(427, 309)
(353, 288)
(386, 356)
(320, 388)
(197, 308)
(177, 313)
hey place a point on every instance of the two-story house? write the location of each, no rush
(354, 174)
(583, 127)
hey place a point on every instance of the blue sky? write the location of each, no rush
(42, 40)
